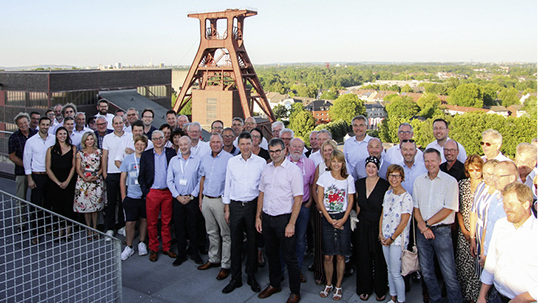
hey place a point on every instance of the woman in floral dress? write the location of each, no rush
(89, 189)
(336, 189)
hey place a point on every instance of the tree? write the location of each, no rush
(429, 104)
(346, 107)
(530, 106)
(302, 123)
(338, 129)
(401, 107)
(508, 96)
(330, 94)
(281, 112)
(407, 89)
(469, 95)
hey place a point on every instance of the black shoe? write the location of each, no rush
(231, 286)
(254, 284)
(179, 260)
(197, 259)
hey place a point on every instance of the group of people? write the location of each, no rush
(360, 206)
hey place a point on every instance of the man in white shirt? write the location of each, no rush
(440, 132)
(102, 109)
(355, 148)
(112, 175)
(276, 127)
(199, 148)
(132, 117)
(435, 201)
(69, 124)
(127, 143)
(394, 154)
(182, 120)
(491, 144)
(68, 110)
(34, 167)
(512, 263)
(240, 198)
(526, 164)
(80, 124)
(323, 136)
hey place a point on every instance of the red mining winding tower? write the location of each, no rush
(222, 70)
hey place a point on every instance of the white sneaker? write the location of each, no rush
(142, 249)
(121, 231)
(127, 252)
(110, 233)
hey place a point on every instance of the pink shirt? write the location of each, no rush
(280, 185)
(308, 169)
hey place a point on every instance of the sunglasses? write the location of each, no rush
(485, 143)
(408, 140)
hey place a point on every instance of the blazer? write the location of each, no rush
(146, 175)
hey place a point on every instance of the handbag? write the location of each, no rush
(409, 258)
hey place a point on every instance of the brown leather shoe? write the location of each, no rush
(294, 298)
(269, 291)
(208, 265)
(152, 256)
(170, 253)
(223, 273)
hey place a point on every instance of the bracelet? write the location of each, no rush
(391, 238)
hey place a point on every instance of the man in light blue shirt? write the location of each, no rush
(411, 167)
(183, 181)
(213, 175)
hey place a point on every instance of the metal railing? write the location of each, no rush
(6, 166)
(40, 263)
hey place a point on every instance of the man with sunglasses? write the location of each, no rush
(491, 144)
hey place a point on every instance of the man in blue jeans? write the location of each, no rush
(435, 199)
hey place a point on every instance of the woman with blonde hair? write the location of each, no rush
(89, 189)
(336, 189)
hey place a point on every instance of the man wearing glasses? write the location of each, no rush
(147, 117)
(152, 179)
(394, 154)
(250, 124)
(101, 131)
(440, 132)
(491, 144)
(279, 203)
(228, 136)
(199, 148)
(132, 117)
(216, 127)
(453, 166)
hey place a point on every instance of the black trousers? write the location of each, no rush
(38, 197)
(276, 242)
(242, 220)
(113, 199)
(371, 265)
(185, 219)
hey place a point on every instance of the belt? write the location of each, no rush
(241, 202)
(38, 173)
(161, 189)
(439, 226)
(213, 197)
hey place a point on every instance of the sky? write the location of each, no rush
(88, 33)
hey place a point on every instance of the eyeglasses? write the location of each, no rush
(217, 127)
(485, 143)
(275, 151)
(101, 124)
(228, 136)
(256, 136)
(404, 132)
(408, 140)
(396, 176)
(451, 150)
(157, 138)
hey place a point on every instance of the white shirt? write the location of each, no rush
(528, 180)
(355, 152)
(127, 142)
(394, 155)
(430, 196)
(201, 149)
(512, 262)
(112, 143)
(75, 139)
(462, 155)
(54, 127)
(316, 157)
(35, 151)
(109, 118)
(500, 157)
(243, 178)
(335, 192)
(83, 131)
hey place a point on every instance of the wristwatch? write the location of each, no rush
(427, 225)
(191, 197)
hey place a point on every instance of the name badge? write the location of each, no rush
(183, 182)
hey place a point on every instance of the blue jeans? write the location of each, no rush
(441, 247)
(301, 225)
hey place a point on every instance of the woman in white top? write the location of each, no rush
(394, 229)
(335, 201)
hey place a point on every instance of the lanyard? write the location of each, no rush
(183, 167)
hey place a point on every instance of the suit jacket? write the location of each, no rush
(147, 168)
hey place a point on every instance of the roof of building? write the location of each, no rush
(318, 105)
(463, 109)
